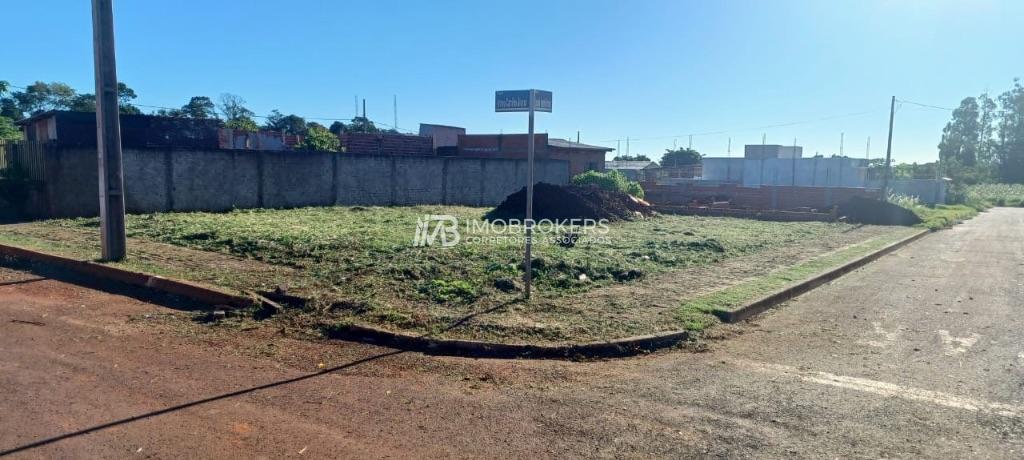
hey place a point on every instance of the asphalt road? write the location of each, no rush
(919, 354)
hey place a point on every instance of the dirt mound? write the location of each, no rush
(876, 212)
(571, 202)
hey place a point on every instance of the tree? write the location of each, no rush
(291, 124)
(680, 157)
(9, 132)
(338, 128)
(319, 138)
(199, 107)
(40, 97)
(243, 123)
(232, 107)
(962, 136)
(1010, 149)
(362, 125)
(631, 158)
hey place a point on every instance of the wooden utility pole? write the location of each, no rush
(108, 134)
(888, 152)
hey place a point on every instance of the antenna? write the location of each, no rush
(396, 112)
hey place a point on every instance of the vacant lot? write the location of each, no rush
(359, 265)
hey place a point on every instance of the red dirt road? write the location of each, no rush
(915, 355)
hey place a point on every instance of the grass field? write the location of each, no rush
(1011, 195)
(359, 265)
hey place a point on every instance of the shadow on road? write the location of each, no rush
(135, 418)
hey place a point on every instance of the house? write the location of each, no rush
(581, 157)
(634, 170)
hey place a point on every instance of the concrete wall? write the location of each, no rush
(809, 172)
(159, 180)
(928, 191)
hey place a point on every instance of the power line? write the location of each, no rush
(777, 125)
(903, 101)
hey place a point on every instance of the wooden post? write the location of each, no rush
(108, 134)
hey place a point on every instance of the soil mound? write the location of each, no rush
(876, 212)
(571, 202)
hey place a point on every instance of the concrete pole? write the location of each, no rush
(108, 134)
(888, 152)
(528, 262)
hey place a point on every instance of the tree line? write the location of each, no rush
(984, 140)
(230, 110)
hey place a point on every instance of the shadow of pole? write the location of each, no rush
(135, 418)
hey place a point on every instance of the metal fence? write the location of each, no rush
(22, 159)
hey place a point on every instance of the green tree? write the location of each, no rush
(680, 157)
(8, 131)
(631, 158)
(243, 123)
(338, 128)
(319, 138)
(291, 124)
(609, 180)
(361, 125)
(200, 107)
(1010, 149)
(232, 107)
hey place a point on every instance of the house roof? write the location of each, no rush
(562, 143)
(630, 164)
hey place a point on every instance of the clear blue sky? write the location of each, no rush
(648, 70)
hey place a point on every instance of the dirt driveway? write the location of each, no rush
(916, 355)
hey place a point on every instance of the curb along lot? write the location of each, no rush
(435, 346)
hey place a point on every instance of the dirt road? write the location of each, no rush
(916, 355)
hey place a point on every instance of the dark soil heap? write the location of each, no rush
(571, 202)
(877, 212)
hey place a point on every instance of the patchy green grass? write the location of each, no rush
(359, 264)
(1011, 195)
(943, 215)
(699, 313)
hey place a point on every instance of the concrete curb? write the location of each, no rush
(629, 346)
(192, 291)
(789, 292)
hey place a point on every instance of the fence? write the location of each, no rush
(22, 157)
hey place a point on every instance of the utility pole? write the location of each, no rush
(689, 143)
(867, 150)
(577, 137)
(396, 112)
(364, 108)
(108, 134)
(627, 146)
(355, 105)
(842, 140)
(888, 152)
(793, 161)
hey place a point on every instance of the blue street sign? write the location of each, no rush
(519, 101)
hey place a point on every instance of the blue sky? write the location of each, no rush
(647, 70)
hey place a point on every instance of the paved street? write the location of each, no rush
(919, 354)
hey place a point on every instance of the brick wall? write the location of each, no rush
(387, 144)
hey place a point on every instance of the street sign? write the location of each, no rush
(519, 101)
(527, 100)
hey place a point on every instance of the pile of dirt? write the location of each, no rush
(557, 202)
(877, 212)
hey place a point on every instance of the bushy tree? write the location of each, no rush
(680, 157)
(631, 158)
(291, 124)
(8, 131)
(1010, 149)
(199, 107)
(319, 138)
(361, 125)
(243, 123)
(609, 180)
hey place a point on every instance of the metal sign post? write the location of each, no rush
(530, 100)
